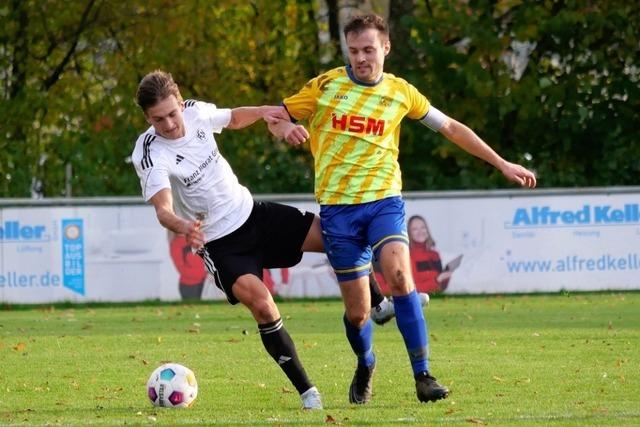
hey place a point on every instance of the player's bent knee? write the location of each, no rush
(358, 319)
(400, 283)
(265, 311)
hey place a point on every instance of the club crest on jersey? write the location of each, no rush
(200, 134)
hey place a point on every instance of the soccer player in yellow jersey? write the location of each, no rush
(354, 116)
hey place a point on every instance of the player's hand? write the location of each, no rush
(519, 174)
(296, 134)
(195, 237)
(272, 114)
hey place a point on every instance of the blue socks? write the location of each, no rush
(361, 340)
(410, 320)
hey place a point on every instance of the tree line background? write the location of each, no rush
(551, 84)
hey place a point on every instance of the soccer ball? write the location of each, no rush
(173, 386)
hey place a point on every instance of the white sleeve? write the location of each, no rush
(153, 178)
(434, 119)
(218, 118)
(153, 181)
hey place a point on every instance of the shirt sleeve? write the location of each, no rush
(154, 176)
(217, 118)
(418, 103)
(302, 105)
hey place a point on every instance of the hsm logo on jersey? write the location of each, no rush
(358, 124)
(587, 215)
(200, 134)
(13, 231)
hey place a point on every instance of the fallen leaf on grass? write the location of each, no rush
(286, 390)
(331, 420)
(475, 421)
(498, 379)
(20, 346)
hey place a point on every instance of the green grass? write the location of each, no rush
(509, 360)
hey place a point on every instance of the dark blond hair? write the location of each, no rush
(154, 87)
(359, 23)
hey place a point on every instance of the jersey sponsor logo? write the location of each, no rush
(179, 158)
(200, 134)
(197, 174)
(358, 124)
(343, 97)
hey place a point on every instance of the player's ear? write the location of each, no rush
(386, 47)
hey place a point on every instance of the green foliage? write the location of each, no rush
(509, 360)
(69, 80)
(571, 116)
(69, 70)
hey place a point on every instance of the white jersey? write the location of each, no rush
(200, 179)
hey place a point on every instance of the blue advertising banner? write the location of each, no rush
(73, 255)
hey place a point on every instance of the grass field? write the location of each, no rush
(566, 359)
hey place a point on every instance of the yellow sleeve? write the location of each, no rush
(419, 104)
(302, 105)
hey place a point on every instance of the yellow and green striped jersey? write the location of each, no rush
(355, 131)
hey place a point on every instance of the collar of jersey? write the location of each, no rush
(358, 82)
(180, 141)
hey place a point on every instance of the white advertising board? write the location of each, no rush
(533, 242)
(536, 241)
(93, 253)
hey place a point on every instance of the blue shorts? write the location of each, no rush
(352, 233)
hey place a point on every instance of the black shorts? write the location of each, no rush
(272, 237)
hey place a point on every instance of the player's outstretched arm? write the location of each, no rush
(465, 138)
(283, 129)
(163, 203)
(241, 117)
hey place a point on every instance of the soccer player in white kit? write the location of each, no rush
(195, 193)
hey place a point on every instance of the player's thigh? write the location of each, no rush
(226, 268)
(387, 223)
(284, 232)
(395, 265)
(313, 242)
(345, 242)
